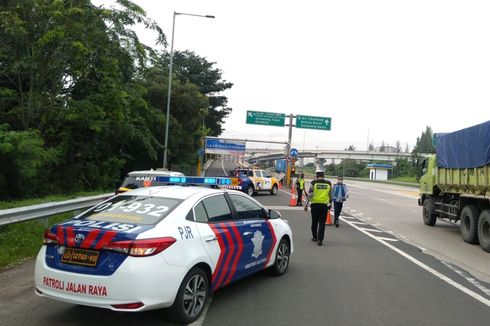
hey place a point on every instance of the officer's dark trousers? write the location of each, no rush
(337, 206)
(299, 202)
(318, 217)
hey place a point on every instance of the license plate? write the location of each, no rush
(80, 257)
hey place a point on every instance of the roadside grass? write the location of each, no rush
(404, 179)
(22, 241)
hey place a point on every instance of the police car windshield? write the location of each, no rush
(133, 209)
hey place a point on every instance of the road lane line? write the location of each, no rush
(373, 230)
(471, 280)
(223, 166)
(441, 276)
(357, 222)
(386, 239)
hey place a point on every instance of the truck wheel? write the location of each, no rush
(484, 230)
(429, 212)
(250, 190)
(274, 190)
(469, 224)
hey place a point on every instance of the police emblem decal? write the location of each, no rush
(79, 238)
(257, 241)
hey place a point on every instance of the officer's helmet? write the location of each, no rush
(319, 173)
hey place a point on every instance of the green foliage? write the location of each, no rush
(22, 161)
(424, 142)
(403, 167)
(82, 99)
(191, 68)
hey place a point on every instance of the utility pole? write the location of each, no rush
(288, 149)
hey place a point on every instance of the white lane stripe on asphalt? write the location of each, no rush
(386, 239)
(223, 166)
(446, 279)
(373, 230)
(362, 223)
(469, 279)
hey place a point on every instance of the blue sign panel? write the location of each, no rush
(293, 152)
(225, 146)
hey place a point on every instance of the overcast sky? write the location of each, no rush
(383, 69)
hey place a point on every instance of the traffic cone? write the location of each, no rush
(280, 184)
(292, 201)
(329, 218)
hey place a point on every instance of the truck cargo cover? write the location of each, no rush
(466, 148)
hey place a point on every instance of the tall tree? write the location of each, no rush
(424, 142)
(189, 67)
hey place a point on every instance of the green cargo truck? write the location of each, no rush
(455, 183)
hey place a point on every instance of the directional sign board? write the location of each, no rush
(310, 122)
(293, 152)
(224, 146)
(266, 118)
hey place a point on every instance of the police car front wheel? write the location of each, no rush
(191, 297)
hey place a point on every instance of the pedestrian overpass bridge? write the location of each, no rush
(267, 154)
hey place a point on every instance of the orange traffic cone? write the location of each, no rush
(280, 184)
(292, 201)
(329, 218)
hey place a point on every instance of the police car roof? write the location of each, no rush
(174, 191)
(156, 173)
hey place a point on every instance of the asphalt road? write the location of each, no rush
(365, 274)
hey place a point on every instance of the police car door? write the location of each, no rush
(256, 234)
(218, 236)
(267, 180)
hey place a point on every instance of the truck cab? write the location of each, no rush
(427, 177)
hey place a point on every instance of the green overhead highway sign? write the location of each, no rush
(309, 122)
(266, 118)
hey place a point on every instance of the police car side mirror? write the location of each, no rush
(274, 214)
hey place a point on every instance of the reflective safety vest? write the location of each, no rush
(301, 184)
(321, 192)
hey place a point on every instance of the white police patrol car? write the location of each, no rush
(160, 247)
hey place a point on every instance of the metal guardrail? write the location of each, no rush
(21, 214)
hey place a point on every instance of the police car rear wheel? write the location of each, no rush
(282, 258)
(191, 297)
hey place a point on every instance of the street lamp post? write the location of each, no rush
(170, 82)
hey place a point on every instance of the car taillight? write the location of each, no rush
(49, 237)
(141, 248)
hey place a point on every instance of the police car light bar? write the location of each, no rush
(208, 181)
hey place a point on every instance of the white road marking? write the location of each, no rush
(469, 279)
(373, 230)
(357, 222)
(444, 278)
(223, 166)
(387, 239)
(284, 191)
